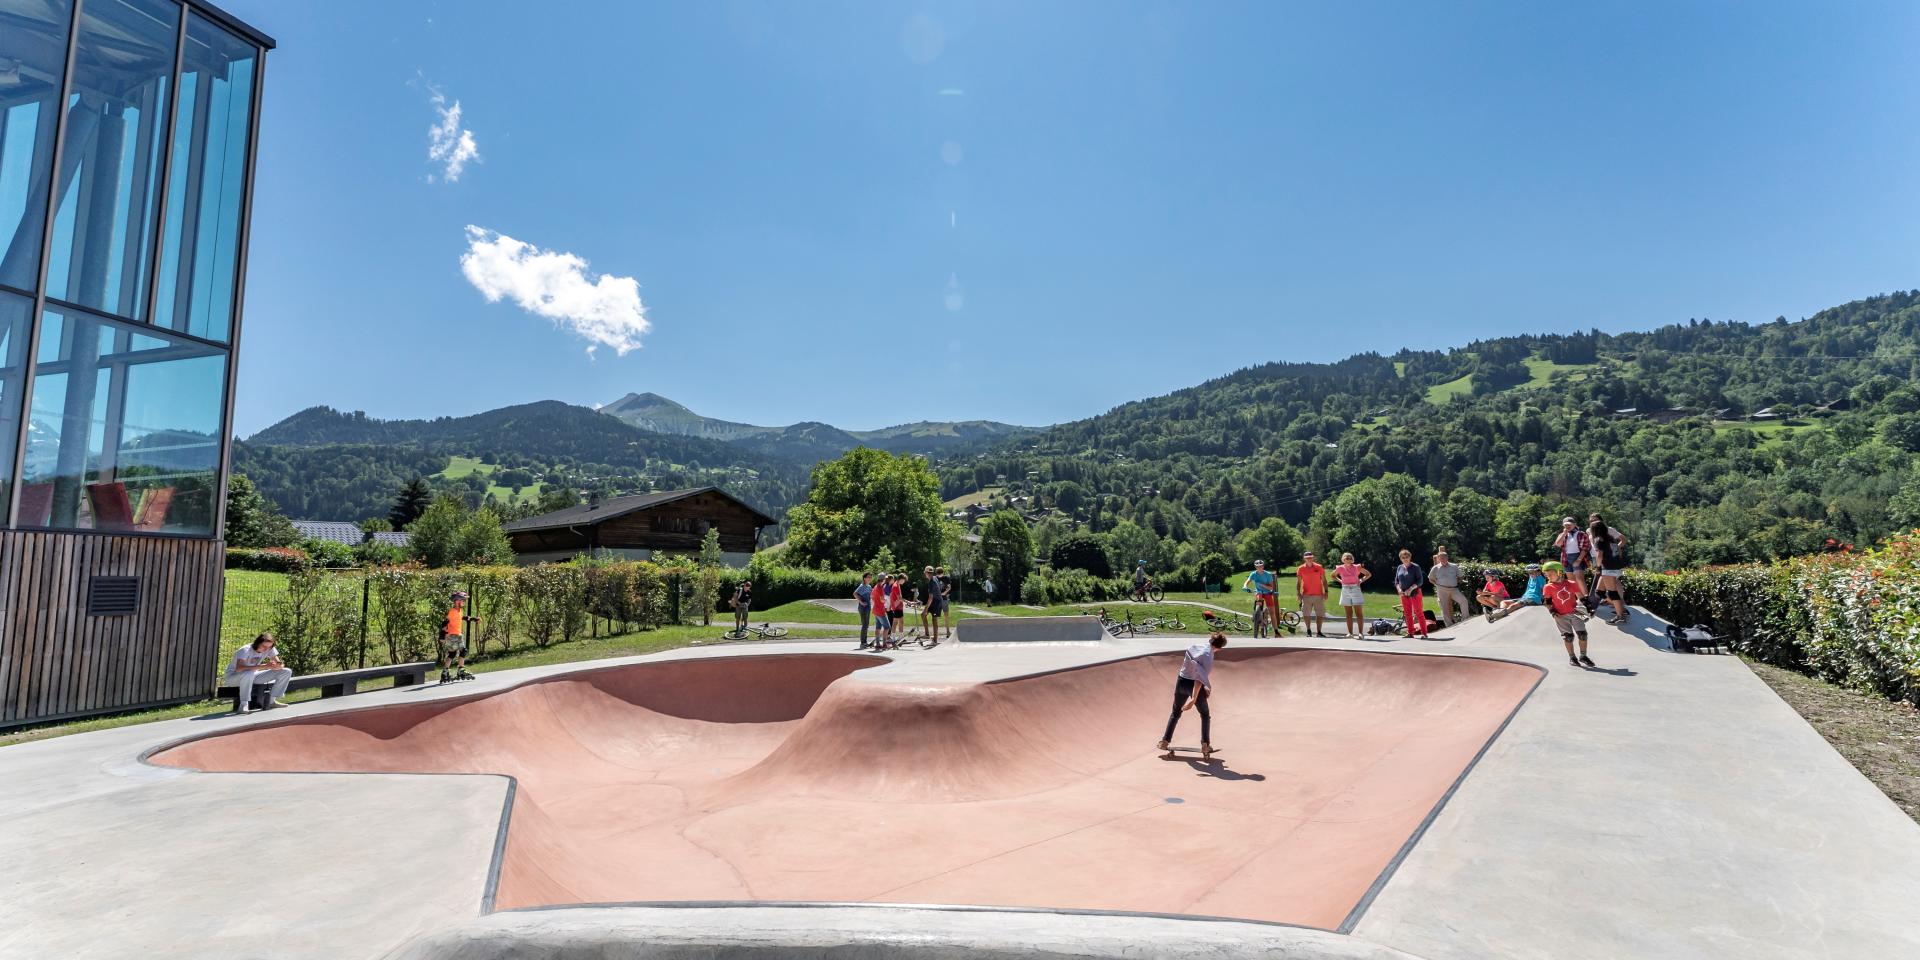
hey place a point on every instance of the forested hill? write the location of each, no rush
(322, 463)
(1713, 441)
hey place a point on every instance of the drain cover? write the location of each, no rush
(1175, 800)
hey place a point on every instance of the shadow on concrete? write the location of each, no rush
(1216, 769)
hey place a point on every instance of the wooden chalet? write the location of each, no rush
(638, 526)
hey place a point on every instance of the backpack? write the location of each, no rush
(1383, 626)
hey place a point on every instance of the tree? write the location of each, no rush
(1467, 524)
(1128, 543)
(435, 532)
(1905, 506)
(559, 497)
(480, 541)
(252, 521)
(1275, 541)
(1375, 518)
(1903, 431)
(1081, 551)
(861, 502)
(375, 525)
(412, 501)
(1007, 546)
(710, 554)
(1214, 568)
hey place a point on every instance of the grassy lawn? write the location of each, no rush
(1772, 433)
(1440, 393)
(459, 468)
(622, 645)
(1879, 737)
(1542, 372)
(969, 499)
(1399, 368)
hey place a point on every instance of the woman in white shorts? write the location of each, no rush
(1352, 603)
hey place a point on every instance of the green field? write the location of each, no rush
(1443, 392)
(459, 468)
(969, 499)
(1772, 433)
(1543, 371)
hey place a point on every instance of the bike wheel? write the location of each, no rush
(1289, 618)
(1156, 594)
(773, 633)
(1176, 624)
(734, 634)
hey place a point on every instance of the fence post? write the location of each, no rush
(366, 588)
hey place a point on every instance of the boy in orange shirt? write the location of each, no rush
(453, 641)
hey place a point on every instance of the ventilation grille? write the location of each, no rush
(113, 596)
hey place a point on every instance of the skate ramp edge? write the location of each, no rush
(1031, 630)
(856, 931)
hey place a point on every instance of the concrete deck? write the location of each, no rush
(1665, 805)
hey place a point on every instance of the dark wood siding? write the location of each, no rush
(57, 661)
(678, 526)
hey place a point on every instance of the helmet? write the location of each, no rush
(459, 595)
(1552, 566)
(1533, 568)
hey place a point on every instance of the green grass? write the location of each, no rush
(1442, 392)
(459, 468)
(1399, 368)
(584, 649)
(1542, 372)
(1772, 433)
(969, 499)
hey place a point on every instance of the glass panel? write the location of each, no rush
(109, 175)
(16, 312)
(33, 54)
(124, 431)
(201, 243)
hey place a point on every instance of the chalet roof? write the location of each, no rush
(391, 538)
(587, 515)
(338, 531)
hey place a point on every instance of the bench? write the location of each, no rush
(343, 683)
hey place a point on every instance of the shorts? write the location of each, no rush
(1570, 624)
(454, 643)
(1350, 596)
(1573, 564)
(1314, 604)
(936, 608)
(1616, 574)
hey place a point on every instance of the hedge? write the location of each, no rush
(268, 559)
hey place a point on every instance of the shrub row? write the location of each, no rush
(267, 559)
(1047, 587)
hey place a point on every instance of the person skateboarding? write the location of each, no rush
(1195, 684)
(453, 641)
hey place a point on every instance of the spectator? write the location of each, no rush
(1611, 548)
(1573, 547)
(1496, 599)
(1353, 603)
(863, 599)
(1266, 597)
(945, 598)
(742, 603)
(1409, 579)
(1536, 592)
(1445, 577)
(1310, 587)
(255, 663)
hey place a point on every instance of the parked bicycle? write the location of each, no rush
(1149, 592)
(765, 631)
(1169, 622)
(1226, 623)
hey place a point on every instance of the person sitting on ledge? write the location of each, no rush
(256, 663)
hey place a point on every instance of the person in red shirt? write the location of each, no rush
(1310, 588)
(1563, 598)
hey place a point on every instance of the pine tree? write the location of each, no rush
(410, 504)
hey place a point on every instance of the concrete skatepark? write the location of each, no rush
(1473, 797)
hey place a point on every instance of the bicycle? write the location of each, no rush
(1149, 592)
(1170, 622)
(1231, 623)
(1124, 628)
(765, 631)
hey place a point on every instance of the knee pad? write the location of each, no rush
(1568, 637)
(1615, 595)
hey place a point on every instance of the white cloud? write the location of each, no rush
(605, 309)
(448, 143)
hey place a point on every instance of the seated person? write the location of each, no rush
(257, 663)
(1494, 595)
(1536, 593)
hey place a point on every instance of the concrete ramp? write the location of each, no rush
(801, 778)
(1031, 630)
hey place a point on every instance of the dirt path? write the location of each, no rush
(1879, 737)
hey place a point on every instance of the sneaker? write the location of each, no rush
(1162, 745)
(446, 677)
(245, 708)
(1573, 660)
(1584, 661)
(281, 703)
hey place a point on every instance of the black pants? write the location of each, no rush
(1181, 691)
(864, 615)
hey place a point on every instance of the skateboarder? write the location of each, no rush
(1195, 684)
(453, 641)
(1563, 597)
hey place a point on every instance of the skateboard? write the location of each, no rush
(1204, 755)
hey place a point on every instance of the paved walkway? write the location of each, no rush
(1662, 806)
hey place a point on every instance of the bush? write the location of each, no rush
(266, 559)
(329, 553)
(774, 585)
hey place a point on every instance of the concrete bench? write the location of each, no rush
(343, 683)
(1031, 630)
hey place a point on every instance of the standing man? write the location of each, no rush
(1196, 684)
(946, 598)
(863, 599)
(742, 604)
(1408, 578)
(1266, 597)
(930, 603)
(987, 585)
(1140, 582)
(1445, 577)
(1310, 588)
(453, 640)
(256, 663)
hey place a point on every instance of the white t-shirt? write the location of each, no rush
(247, 658)
(1198, 664)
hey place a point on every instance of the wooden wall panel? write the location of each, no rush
(56, 661)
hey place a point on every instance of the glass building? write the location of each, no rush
(127, 133)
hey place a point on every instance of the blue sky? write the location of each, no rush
(869, 213)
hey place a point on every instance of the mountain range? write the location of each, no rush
(1713, 441)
